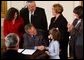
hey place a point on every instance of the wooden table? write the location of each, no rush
(38, 55)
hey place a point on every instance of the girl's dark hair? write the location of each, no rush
(56, 34)
(11, 12)
(79, 11)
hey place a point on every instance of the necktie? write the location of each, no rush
(32, 17)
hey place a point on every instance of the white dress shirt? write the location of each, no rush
(30, 13)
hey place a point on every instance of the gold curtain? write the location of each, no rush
(3, 8)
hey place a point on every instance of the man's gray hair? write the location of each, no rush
(30, 1)
(11, 40)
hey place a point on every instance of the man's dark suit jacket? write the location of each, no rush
(12, 55)
(39, 18)
(31, 42)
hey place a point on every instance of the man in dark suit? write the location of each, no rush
(12, 44)
(34, 15)
(33, 39)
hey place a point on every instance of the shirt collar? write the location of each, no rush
(32, 13)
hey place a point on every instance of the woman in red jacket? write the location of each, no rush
(13, 23)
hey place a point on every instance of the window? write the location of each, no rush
(3, 8)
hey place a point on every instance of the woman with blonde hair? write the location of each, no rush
(60, 22)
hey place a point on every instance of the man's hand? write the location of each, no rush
(40, 47)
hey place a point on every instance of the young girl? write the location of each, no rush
(53, 49)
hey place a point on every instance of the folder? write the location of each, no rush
(26, 51)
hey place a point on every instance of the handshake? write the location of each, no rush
(40, 47)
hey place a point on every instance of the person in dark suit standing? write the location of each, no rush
(12, 45)
(76, 33)
(36, 16)
(60, 22)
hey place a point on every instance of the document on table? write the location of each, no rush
(20, 50)
(26, 51)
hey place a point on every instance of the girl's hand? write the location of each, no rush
(47, 52)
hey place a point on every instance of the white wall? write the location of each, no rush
(47, 5)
